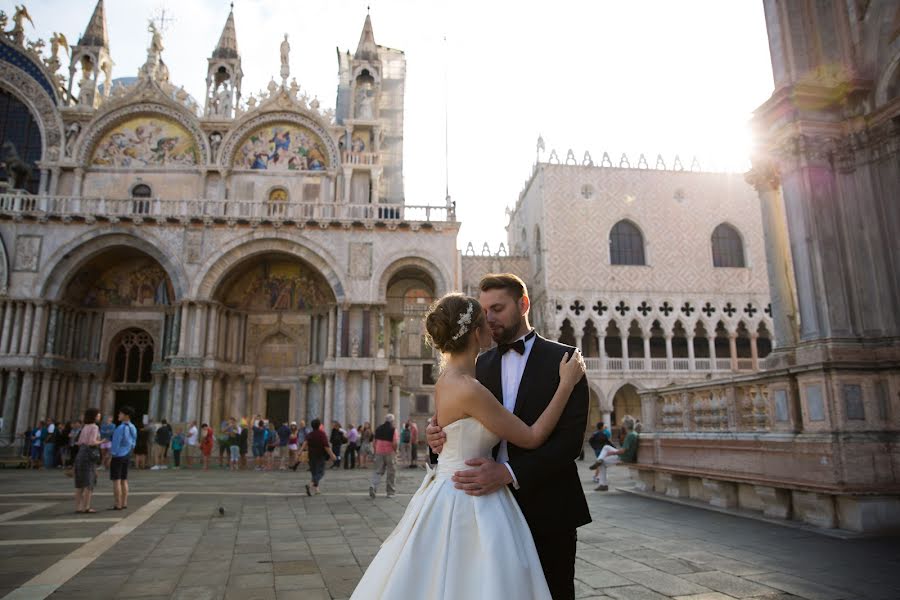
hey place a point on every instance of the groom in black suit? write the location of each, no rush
(522, 372)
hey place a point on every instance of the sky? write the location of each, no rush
(637, 76)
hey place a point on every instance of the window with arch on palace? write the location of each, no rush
(626, 245)
(727, 248)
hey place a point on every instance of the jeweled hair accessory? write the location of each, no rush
(464, 320)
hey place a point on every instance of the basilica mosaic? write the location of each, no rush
(282, 147)
(146, 142)
(138, 281)
(278, 285)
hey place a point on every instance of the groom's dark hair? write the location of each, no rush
(504, 281)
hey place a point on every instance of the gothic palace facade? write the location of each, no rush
(257, 256)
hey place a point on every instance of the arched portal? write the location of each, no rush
(410, 292)
(115, 319)
(626, 402)
(272, 316)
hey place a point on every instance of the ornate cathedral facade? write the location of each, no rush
(247, 256)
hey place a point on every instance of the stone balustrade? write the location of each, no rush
(139, 209)
(779, 443)
(661, 365)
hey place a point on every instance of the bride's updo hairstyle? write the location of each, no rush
(451, 320)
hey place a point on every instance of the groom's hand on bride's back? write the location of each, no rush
(485, 477)
(435, 436)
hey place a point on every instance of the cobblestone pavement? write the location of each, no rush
(273, 542)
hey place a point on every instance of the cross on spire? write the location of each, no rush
(163, 21)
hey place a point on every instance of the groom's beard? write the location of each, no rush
(506, 335)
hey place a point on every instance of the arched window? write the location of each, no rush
(133, 357)
(141, 190)
(141, 194)
(278, 199)
(727, 248)
(626, 244)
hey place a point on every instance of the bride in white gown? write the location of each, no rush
(449, 544)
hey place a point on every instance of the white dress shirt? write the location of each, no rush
(512, 365)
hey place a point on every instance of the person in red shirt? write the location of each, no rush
(319, 450)
(206, 444)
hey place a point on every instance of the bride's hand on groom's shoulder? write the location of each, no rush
(571, 370)
(435, 436)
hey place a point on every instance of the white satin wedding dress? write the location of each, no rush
(450, 545)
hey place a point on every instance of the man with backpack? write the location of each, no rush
(385, 456)
(161, 440)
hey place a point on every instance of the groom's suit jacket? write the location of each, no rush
(550, 493)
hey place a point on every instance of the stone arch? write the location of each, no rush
(602, 399)
(888, 86)
(214, 271)
(42, 105)
(627, 404)
(402, 260)
(4, 269)
(66, 261)
(104, 122)
(236, 136)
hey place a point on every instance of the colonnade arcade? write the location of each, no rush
(267, 332)
(657, 345)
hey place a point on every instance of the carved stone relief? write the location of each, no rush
(28, 253)
(360, 260)
(193, 246)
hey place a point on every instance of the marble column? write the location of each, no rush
(197, 335)
(193, 397)
(17, 327)
(9, 405)
(302, 399)
(339, 408)
(27, 329)
(668, 351)
(25, 418)
(178, 397)
(646, 352)
(39, 328)
(764, 177)
(711, 340)
(206, 412)
(754, 351)
(155, 393)
(168, 405)
(331, 332)
(365, 397)
(732, 350)
(44, 398)
(690, 349)
(328, 409)
(212, 338)
(182, 329)
(625, 364)
(381, 397)
(601, 348)
(8, 310)
(395, 399)
(49, 346)
(578, 340)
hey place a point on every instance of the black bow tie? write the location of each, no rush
(518, 345)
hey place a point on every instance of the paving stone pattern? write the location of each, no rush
(275, 543)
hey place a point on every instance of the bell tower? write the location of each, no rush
(224, 74)
(370, 108)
